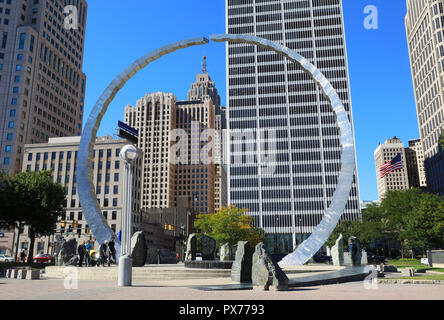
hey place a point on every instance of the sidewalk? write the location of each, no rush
(12, 289)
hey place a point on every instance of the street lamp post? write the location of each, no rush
(128, 155)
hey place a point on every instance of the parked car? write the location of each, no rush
(5, 258)
(322, 258)
(43, 258)
(198, 257)
(374, 259)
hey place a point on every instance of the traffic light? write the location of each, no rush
(170, 227)
(63, 224)
(75, 224)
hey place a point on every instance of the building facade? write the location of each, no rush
(397, 180)
(42, 86)
(424, 23)
(276, 101)
(155, 117)
(169, 172)
(60, 155)
(415, 162)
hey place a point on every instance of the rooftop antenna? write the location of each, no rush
(204, 65)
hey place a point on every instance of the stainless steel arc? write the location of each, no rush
(308, 248)
(91, 208)
(345, 179)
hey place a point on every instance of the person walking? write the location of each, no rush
(111, 252)
(88, 247)
(23, 255)
(102, 253)
(81, 251)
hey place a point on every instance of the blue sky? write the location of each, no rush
(120, 32)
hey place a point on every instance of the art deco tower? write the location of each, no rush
(42, 86)
(268, 94)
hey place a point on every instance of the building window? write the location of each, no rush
(31, 45)
(6, 161)
(22, 41)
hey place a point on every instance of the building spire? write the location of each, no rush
(204, 65)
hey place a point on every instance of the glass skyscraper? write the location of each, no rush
(281, 113)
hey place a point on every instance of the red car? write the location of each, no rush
(43, 258)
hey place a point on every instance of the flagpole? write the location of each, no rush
(403, 173)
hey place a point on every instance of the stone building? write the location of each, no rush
(412, 173)
(42, 86)
(60, 155)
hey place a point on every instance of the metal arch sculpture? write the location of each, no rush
(332, 214)
(87, 196)
(345, 179)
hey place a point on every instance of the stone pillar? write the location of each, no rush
(337, 252)
(266, 274)
(190, 255)
(241, 268)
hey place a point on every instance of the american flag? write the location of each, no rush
(392, 165)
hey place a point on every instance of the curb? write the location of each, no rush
(409, 281)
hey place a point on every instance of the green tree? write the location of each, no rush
(7, 195)
(229, 225)
(347, 228)
(35, 201)
(424, 226)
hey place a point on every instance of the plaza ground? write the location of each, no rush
(52, 289)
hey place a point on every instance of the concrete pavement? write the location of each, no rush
(13, 289)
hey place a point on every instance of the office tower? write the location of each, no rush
(415, 164)
(220, 187)
(203, 89)
(42, 86)
(271, 96)
(155, 117)
(196, 177)
(424, 22)
(60, 156)
(166, 174)
(396, 180)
